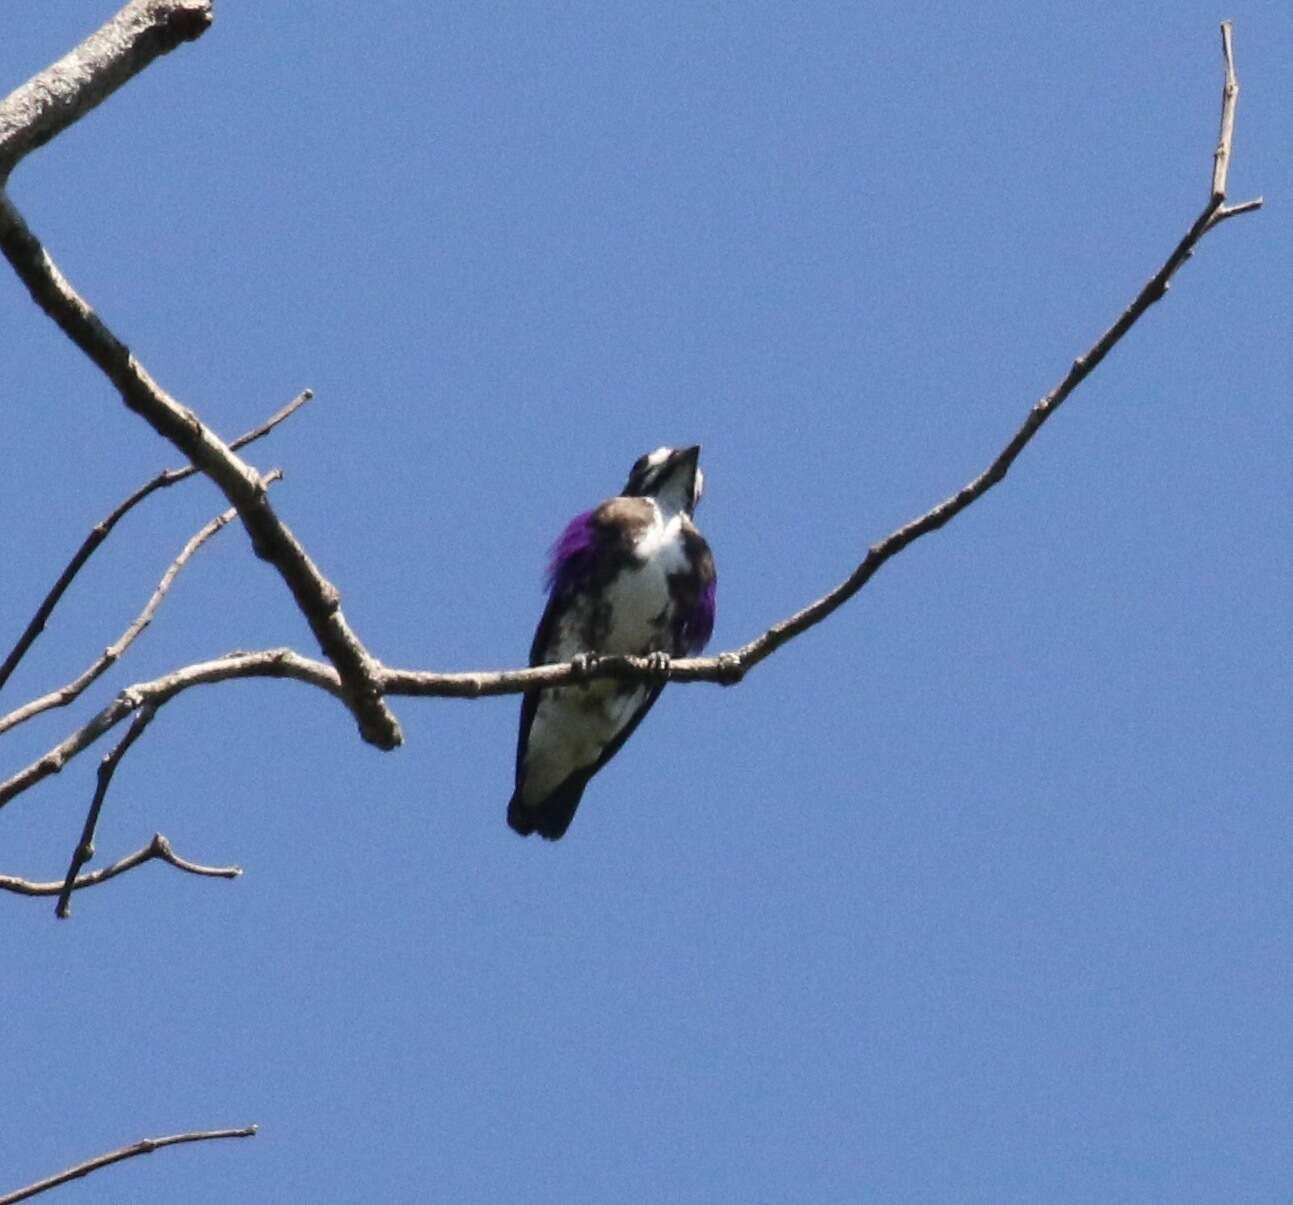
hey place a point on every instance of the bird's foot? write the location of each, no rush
(581, 663)
(658, 665)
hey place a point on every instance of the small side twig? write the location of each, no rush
(144, 1147)
(159, 849)
(69, 692)
(107, 768)
(167, 477)
(1229, 102)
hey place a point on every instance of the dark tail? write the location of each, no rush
(549, 817)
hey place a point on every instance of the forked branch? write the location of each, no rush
(360, 679)
(159, 849)
(38, 111)
(272, 540)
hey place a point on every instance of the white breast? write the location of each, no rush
(639, 597)
(573, 724)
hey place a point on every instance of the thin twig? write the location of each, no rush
(107, 768)
(100, 532)
(159, 848)
(144, 1147)
(1233, 211)
(1229, 102)
(69, 692)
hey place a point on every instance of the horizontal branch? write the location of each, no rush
(101, 530)
(159, 849)
(275, 663)
(286, 663)
(145, 1146)
(64, 92)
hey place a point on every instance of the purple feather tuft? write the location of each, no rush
(571, 552)
(698, 627)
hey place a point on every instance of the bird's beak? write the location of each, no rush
(686, 461)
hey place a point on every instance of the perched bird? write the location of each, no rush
(633, 576)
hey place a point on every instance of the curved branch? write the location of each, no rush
(363, 679)
(1214, 212)
(167, 477)
(145, 1146)
(158, 848)
(272, 663)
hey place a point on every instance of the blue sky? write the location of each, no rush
(979, 892)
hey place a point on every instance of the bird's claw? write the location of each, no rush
(581, 663)
(658, 664)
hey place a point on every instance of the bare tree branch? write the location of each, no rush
(33, 114)
(1233, 211)
(107, 768)
(274, 663)
(158, 848)
(144, 1147)
(725, 668)
(272, 540)
(363, 680)
(101, 529)
(67, 693)
(730, 667)
(57, 97)
(64, 92)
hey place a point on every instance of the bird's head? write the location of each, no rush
(671, 476)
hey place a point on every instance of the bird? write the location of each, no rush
(632, 576)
